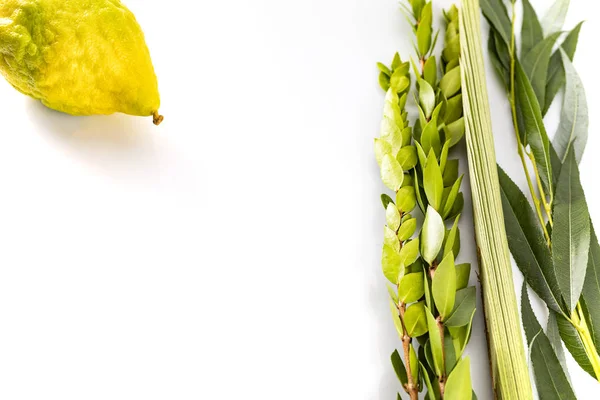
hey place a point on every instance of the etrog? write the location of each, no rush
(81, 57)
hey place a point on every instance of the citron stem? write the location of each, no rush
(157, 118)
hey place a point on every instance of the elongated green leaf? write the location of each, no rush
(430, 137)
(396, 319)
(455, 131)
(496, 14)
(414, 364)
(451, 238)
(463, 309)
(430, 71)
(496, 57)
(573, 128)
(433, 182)
(444, 286)
(556, 71)
(411, 287)
(461, 336)
(399, 367)
(415, 319)
(435, 341)
(450, 172)
(552, 382)
(573, 343)
(463, 271)
(535, 65)
(452, 197)
(553, 335)
(531, 32)
(426, 97)
(591, 288)
(430, 391)
(527, 244)
(432, 235)
(554, 19)
(449, 354)
(424, 30)
(571, 233)
(533, 124)
(459, 386)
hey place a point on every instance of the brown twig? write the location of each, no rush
(412, 387)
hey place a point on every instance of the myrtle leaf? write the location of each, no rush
(433, 182)
(407, 229)
(444, 286)
(411, 287)
(451, 238)
(527, 243)
(463, 309)
(430, 137)
(385, 200)
(459, 385)
(552, 382)
(409, 253)
(432, 235)
(415, 319)
(391, 172)
(405, 199)
(573, 128)
(426, 97)
(430, 71)
(461, 336)
(391, 264)
(533, 124)
(571, 233)
(396, 319)
(451, 197)
(450, 83)
(407, 157)
(399, 367)
(392, 217)
(430, 391)
(463, 272)
(435, 341)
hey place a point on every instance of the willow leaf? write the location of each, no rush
(532, 122)
(527, 244)
(554, 19)
(496, 14)
(591, 288)
(552, 382)
(535, 65)
(573, 343)
(573, 128)
(531, 31)
(435, 340)
(556, 71)
(554, 337)
(571, 233)
(496, 58)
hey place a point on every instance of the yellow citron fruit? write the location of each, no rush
(81, 57)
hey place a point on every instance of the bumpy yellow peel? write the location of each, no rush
(81, 57)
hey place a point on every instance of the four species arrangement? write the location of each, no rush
(81, 57)
(553, 242)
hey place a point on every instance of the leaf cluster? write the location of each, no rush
(430, 297)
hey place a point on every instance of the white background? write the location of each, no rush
(233, 252)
